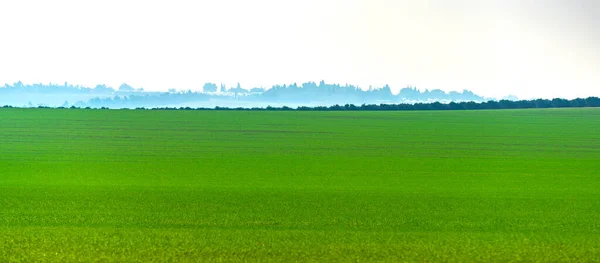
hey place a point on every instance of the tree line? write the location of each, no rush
(471, 105)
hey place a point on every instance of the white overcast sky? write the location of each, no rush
(523, 47)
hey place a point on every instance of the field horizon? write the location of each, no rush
(451, 186)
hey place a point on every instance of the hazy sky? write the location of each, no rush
(494, 48)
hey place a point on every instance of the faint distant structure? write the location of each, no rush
(511, 98)
(257, 90)
(125, 87)
(103, 89)
(238, 90)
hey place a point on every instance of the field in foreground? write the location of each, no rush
(118, 185)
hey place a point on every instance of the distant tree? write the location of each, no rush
(209, 87)
(540, 103)
(592, 102)
(560, 103)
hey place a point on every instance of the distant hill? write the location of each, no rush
(307, 94)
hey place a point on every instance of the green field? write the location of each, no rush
(124, 185)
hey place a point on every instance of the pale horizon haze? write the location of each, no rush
(532, 49)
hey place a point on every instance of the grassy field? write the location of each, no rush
(119, 185)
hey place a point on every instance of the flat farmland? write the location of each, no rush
(451, 186)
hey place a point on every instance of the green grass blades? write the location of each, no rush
(451, 186)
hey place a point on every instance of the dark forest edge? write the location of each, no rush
(488, 105)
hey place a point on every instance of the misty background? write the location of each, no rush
(494, 48)
(212, 95)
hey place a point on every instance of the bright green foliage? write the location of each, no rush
(121, 185)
